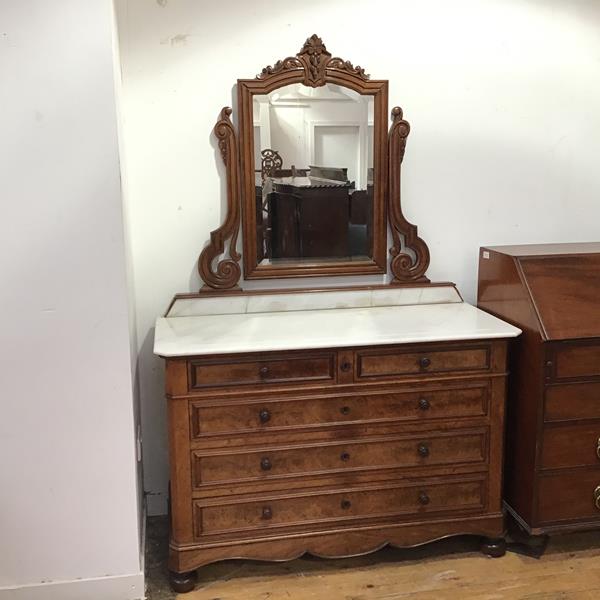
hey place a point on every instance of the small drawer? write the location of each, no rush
(469, 400)
(246, 371)
(399, 362)
(337, 507)
(581, 360)
(569, 496)
(571, 446)
(570, 401)
(453, 447)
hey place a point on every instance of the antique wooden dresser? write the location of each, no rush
(552, 292)
(331, 421)
(298, 426)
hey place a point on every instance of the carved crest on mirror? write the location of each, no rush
(305, 212)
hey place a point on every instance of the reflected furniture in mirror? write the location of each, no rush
(552, 292)
(329, 421)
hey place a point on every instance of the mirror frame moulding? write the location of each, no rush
(313, 66)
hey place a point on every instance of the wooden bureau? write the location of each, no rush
(335, 451)
(552, 292)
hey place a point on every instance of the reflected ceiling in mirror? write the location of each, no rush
(313, 166)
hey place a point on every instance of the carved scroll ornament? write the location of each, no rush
(410, 255)
(315, 61)
(226, 273)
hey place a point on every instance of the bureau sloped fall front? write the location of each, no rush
(333, 450)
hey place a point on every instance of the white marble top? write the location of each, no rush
(325, 328)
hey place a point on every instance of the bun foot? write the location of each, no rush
(493, 547)
(182, 582)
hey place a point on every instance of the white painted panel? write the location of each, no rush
(68, 498)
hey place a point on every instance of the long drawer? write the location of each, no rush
(469, 399)
(571, 446)
(573, 495)
(457, 447)
(572, 401)
(339, 506)
(577, 360)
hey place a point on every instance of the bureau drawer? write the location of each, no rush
(569, 496)
(339, 506)
(399, 362)
(582, 360)
(570, 401)
(469, 400)
(571, 446)
(317, 367)
(453, 447)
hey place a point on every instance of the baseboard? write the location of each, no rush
(118, 587)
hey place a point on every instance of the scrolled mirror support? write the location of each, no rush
(405, 267)
(225, 273)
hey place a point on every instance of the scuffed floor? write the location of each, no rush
(450, 569)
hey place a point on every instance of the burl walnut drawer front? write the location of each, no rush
(425, 404)
(577, 360)
(398, 362)
(570, 496)
(455, 447)
(339, 506)
(571, 446)
(571, 401)
(283, 369)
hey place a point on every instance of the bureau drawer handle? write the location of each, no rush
(423, 498)
(345, 410)
(346, 366)
(265, 464)
(264, 415)
(423, 450)
(345, 456)
(346, 504)
(424, 404)
(598, 448)
(267, 513)
(263, 371)
(597, 497)
(424, 362)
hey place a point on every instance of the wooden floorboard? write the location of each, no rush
(450, 569)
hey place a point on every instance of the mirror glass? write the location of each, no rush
(313, 164)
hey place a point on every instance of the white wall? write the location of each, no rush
(68, 500)
(503, 97)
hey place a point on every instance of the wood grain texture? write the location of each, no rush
(553, 422)
(276, 468)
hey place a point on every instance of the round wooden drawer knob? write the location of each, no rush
(264, 415)
(423, 450)
(346, 504)
(424, 404)
(265, 464)
(263, 371)
(267, 513)
(345, 456)
(345, 410)
(423, 498)
(346, 366)
(424, 362)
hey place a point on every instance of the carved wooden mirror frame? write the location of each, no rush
(313, 66)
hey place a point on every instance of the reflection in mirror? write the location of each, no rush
(313, 162)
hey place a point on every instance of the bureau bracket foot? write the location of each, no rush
(532, 545)
(493, 547)
(182, 582)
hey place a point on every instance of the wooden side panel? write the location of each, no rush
(502, 293)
